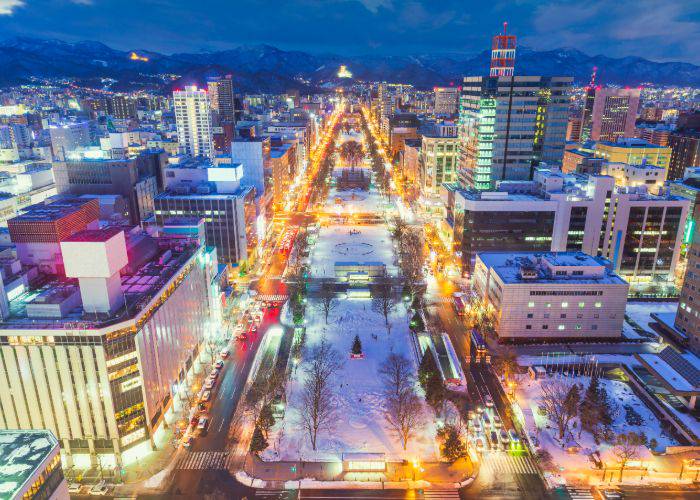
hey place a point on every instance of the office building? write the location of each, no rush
(31, 466)
(688, 188)
(200, 189)
(121, 107)
(397, 128)
(193, 121)
(101, 359)
(574, 128)
(685, 151)
(222, 100)
(135, 179)
(438, 165)
(551, 296)
(446, 100)
(626, 175)
(655, 133)
(284, 169)
(254, 154)
(614, 114)
(687, 320)
(69, 137)
(633, 152)
(639, 233)
(508, 125)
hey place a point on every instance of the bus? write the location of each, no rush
(479, 348)
(460, 302)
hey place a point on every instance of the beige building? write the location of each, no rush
(439, 157)
(626, 175)
(557, 295)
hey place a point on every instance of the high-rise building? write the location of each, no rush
(574, 129)
(193, 120)
(121, 107)
(438, 161)
(69, 137)
(685, 151)
(222, 98)
(254, 154)
(446, 100)
(614, 114)
(508, 125)
(503, 54)
(688, 315)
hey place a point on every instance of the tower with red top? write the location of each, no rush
(503, 54)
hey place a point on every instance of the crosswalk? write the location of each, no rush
(441, 494)
(503, 463)
(579, 493)
(273, 494)
(204, 460)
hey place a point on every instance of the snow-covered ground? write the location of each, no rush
(359, 424)
(640, 312)
(335, 243)
(619, 394)
(354, 201)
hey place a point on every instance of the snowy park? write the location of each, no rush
(358, 423)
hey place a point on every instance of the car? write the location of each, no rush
(486, 421)
(214, 374)
(488, 400)
(479, 443)
(253, 328)
(206, 396)
(209, 384)
(203, 423)
(194, 421)
(492, 436)
(224, 353)
(187, 442)
(100, 489)
(497, 422)
(476, 425)
(514, 438)
(471, 414)
(503, 435)
(75, 488)
(219, 364)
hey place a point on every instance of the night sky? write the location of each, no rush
(661, 30)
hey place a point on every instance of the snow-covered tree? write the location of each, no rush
(560, 402)
(327, 299)
(626, 448)
(357, 345)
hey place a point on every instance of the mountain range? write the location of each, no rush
(264, 68)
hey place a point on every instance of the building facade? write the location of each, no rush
(446, 100)
(193, 120)
(614, 114)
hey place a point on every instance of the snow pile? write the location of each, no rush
(360, 425)
(640, 312)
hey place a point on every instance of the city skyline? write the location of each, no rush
(387, 27)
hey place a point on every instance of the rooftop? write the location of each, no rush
(21, 454)
(679, 371)
(49, 212)
(509, 265)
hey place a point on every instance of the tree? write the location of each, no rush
(431, 381)
(590, 408)
(266, 419)
(352, 152)
(357, 345)
(544, 458)
(400, 226)
(402, 407)
(258, 442)
(627, 448)
(318, 406)
(452, 447)
(506, 363)
(412, 255)
(560, 402)
(632, 417)
(383, 299)
(327, 300)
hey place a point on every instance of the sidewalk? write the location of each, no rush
(398, 475)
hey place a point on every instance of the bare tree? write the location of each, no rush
(352, 152)
(402, 408)
(412, 255)
(559, 403)
(506, 363)
(383, 299)
(626, 448)
(318, 406)
(400, 227)
(327, 299)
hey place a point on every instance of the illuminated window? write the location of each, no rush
(561, 327)
(530, 304)
(565, 304)
(599, 304)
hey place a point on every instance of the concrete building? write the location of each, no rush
(685, 152)
(633, 152)
(639, 233)
(193, 119)
(31, 466)
(254, 154)
(439, 158)
(105, 377)
(284, 169)
(626, 175)
(614, 113)
(69, 137)
(222, 99)
(446, 101)
(508, 125)
(201, 189)
(688, 188)
(136, 179)
(551, 296)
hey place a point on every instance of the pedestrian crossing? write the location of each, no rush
(441, 494)
(579, 493)
(503, 463)
(273, 494)
(204, 460)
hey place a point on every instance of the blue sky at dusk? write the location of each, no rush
(658, 30)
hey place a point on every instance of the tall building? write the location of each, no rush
(193, 121)
(438, 162)
(102, 358)
(633, 152)
(574, 129)
(212, 192)
(284, 169)
(508, 125)
(614, 114)
(135, 179)
(503, 54)
(121, 107)
(222, 98)
(446, 100)
(68, 137)
(685, 151)
(688, 315)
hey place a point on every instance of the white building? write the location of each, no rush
(193, 121)
(558, 295)
(446, 100)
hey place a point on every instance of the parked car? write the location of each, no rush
(480, 443)
(224, 353)
(476, 425)
(486, 420)
(214, 374)
(497, 423)
(206, 396)
(209, 384)
(488, 400)
(75, 488)
(494, 440)
(219, 364)
(187, 442)
(503, 435)
(100, 489)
